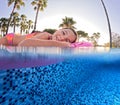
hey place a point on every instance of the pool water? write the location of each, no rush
(75, 77)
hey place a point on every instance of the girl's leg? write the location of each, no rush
(7, 40)
(3, 41)
(14, 40)
(11, 39)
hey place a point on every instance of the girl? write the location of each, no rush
(61, 38)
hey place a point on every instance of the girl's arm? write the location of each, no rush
(42, 35)
(43, 43)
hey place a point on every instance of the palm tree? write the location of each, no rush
(15, 21)
(16, 5)
(0, 26)
(96, 35)
(68, 23)
(82, 34)
(39, 5)
(30, 25)
(94, 38)
(23, 23)
(3, 25)
(110, 33)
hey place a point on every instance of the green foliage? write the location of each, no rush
(15, 21)
(51, 31)
(39, 5)
(82, 34)
(68, 22)
(3, 25)
(16, 5)
(0, 36)
(94, 38)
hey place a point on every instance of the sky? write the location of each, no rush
(89, 15)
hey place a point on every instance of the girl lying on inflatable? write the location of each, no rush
(61, 38)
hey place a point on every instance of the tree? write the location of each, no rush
(115, 40)
(82, 34)
(30, 25)
(16, 5)
(3, 25)
(39, 5)
(96, 35)
(68, 22)
(51, 31)
(0, 26)
(23, 24)
(94, 38)
(15, 21)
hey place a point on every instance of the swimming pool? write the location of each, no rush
(57, 76)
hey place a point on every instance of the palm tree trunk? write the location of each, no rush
(14, 28)
(36, 18)
(21, 31)
(109, 27)
(10, 18)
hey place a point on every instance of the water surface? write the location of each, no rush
(58, 76)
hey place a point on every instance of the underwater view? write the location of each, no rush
(58, 76)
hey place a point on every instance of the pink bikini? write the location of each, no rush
(10, 37)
